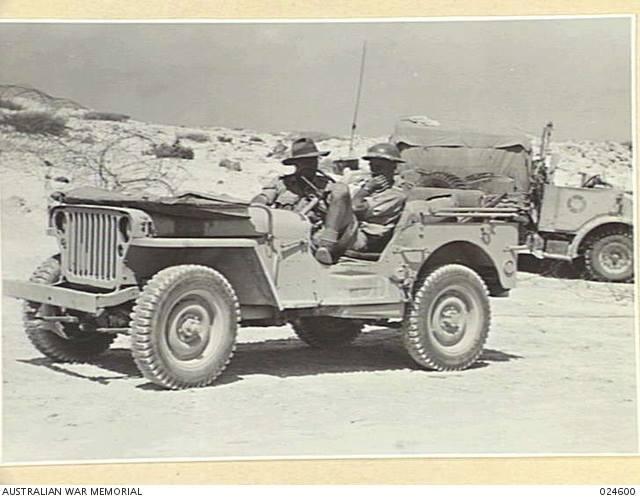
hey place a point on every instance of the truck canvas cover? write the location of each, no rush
(428, 148)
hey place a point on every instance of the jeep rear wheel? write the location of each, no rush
(184, 326)
(326, 332)
(447, 323)
(62, 342)
(608, 256)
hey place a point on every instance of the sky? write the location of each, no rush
(495, 76)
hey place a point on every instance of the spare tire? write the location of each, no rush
(442, 180)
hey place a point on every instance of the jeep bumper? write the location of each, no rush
(68, 298)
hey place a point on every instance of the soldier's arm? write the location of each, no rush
(359, 202)
(388, 204)
(269, 193)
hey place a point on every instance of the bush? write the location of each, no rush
(10, 105)
(36, 122)
(231, 165)
(194, 136)
(176, 150)
(104, 116)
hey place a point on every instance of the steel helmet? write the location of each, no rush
(384, 150)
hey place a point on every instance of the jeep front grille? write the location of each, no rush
(92, 246)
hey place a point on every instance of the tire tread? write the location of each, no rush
(142, 319)
(412, 336)
(47, 342)
(589, 268)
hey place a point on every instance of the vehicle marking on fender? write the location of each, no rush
(576, 203)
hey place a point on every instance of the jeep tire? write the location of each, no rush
(184, 326)
(608, 256)
(447, 322)
(81, 345)
(326, 332)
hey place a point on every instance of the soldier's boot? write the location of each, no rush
(327, 241)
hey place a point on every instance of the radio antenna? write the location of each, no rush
(355, 111)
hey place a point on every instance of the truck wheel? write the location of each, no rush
(608, 256)
(447, 323)
(80, 346)
(326, 332)
(442, 180)
(184, 326)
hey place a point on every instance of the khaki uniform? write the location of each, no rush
(378, 218)
(366, 229)
(290, 192)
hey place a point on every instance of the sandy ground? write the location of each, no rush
(557, 376)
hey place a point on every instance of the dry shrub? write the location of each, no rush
(194, 136)
(105, 116)
(176, 150)
(36, 122)
(10, 105)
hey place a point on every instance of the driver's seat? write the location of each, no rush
(426, 199)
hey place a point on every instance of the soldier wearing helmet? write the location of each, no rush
(374, 209)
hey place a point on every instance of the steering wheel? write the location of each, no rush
(595, 181)
(327, 176)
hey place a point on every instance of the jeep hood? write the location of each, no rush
(188, 204)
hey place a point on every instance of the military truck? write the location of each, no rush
(179, 275)
(590, 225)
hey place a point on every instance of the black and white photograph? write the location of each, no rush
(302, 239)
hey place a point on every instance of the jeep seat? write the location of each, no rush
(424, 200)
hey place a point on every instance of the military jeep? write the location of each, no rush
(179, 275)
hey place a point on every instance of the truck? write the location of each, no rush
(589, 225)
(179, 275)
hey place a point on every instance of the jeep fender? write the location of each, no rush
(589, 227)
(498, 274)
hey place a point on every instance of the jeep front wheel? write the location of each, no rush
(62, 342)
(447, 322)
(608, 256)
(184, 326)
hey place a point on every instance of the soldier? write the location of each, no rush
(312, 192)
(295, 191)
(366, 224)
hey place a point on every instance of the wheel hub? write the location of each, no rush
(615, 258)
(449, 320)
(189, 330)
